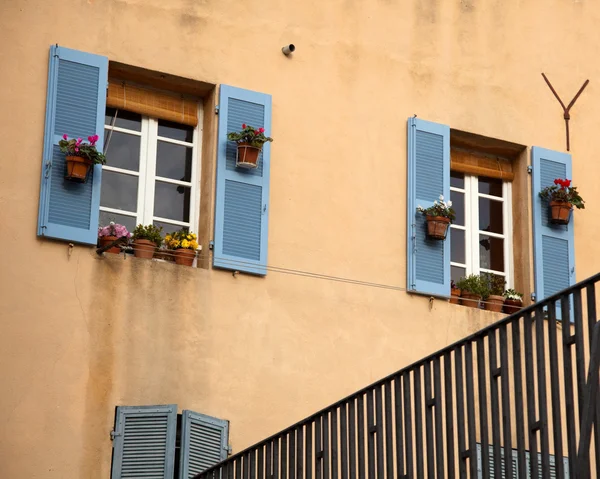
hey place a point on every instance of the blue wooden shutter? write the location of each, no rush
(204, 443)
(144, 442)
(554, 245)
(75, 105)
(428, 261)
(242, 204)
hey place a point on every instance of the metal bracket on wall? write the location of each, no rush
(530, 169)
(566, 109)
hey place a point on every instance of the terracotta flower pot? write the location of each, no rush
(247, 156)
(560, 212)
(143, 248)
(512, 305)
(185, 257)
(78, 168)
(494, 303)
(455, 299)
(470, 299)
(437, 227)
(104, 240)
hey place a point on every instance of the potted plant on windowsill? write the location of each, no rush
(471, 288)
(494, 288)
(513, 301)
(184, 245)
(455, 293)
(145, 240)
(439, 216)
(80, 157)
(561, 198)
(249, 145)
(110, 233)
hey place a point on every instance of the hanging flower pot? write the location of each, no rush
(560, 212)
(437, 227)
(249, 141)
(185, 257)
(80, 157)
(78, 168)
(247, 156)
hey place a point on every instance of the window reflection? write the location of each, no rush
(490, 215)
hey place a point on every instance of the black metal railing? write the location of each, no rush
(527, 385)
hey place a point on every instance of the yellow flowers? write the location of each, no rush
(181, 239)
(185, 243)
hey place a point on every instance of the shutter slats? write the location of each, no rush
(428, 261)
(75, 106)
(145, 446)
(203, 443)
(241, 212)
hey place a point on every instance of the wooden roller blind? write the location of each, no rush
(471, 163)
(157, 104)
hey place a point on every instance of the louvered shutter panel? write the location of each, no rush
(428, 261)
(204, 443)
(144, 442)
(242, 204)
(554, 245)
(75, 105)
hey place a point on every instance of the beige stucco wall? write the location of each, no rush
(82, 334)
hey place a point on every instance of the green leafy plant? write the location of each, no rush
(149, 232)
(562, 190)
(253, 136)
(472, 284)
(513, 295)
(439, 208)
(494, 284)
(76, 147)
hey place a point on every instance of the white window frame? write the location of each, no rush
(471, 228)
(147, 173)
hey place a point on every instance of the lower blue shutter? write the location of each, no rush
(554, 245)
(204, 443)
(242, 197)
(144, 442)
(428, 261)
(75, 105)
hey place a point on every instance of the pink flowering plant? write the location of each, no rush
(252, 136)
(113, 229)
(76, 147)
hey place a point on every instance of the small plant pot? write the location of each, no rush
(247, 156)
(494, 303)
(455, 299)
(78, 168)
(470, 299)
(184, 256)
(144, 249)
(560, 212)
(105, 240)
(437, 227)
(512, 305)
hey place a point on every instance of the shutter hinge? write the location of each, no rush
(114, 434)
(217, 108)
(529, 169)
(48, 166)
(228, 449)
(211, 244)
(533, 297)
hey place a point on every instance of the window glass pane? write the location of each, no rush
(172, 201)
(119, 191)
(168, 227)
(491, 253)
(456, 272)
(122, 150)
(127, 221)
(457, 179)
(490, 215)
(175, 131)
(457, 242)
(125, 119)
(490, 186)
(174, 161)
(458, 205)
